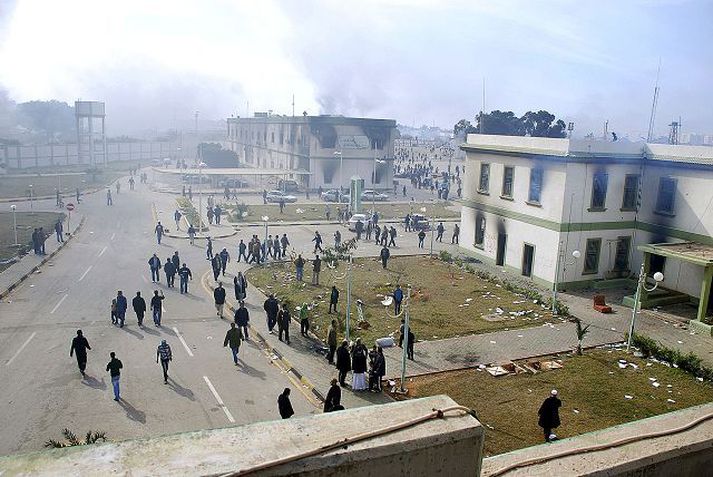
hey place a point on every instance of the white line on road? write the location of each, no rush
(217, 398)
(102, 252)
(85, 273)
(58, 303)
(183, 342)
(112, 236)
(146, 280)
(25, 344)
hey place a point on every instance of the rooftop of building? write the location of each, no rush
(577, 149)
(263, 118)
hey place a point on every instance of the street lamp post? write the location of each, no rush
(641, 284)
(200, 196)
(423, 209)
(30, 196)
(13, 207)
(349, 299)
(560, 257)
(405, 338)
(265, 219)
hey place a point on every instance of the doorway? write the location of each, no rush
(528, 256)
(500, 253)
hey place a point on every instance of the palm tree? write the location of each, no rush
(73, 440)
(581, 333)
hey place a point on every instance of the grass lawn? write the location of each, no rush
(592, 384)
(438, 310)
(307, 212)
(26, 223)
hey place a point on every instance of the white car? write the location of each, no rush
(276, 196)
(354, 219)
(371, 195)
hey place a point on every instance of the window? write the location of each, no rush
(657, 263)
(479, 231)
(667, 193)
(272, 137)
(599, 191)
(591, 255)
(484, 184)
(621, 259)
(631, 192)
(535, 185)
(508, 176)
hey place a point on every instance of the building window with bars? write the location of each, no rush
(480, 232)
(631, 192)
(666, 196)
(591, 256)
(621, 259)
(535, 192)
(508, 178)
(484, 183)
(599, 191)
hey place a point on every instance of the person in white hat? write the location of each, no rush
(550, 415)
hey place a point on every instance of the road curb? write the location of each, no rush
(8, 200)
(34, 269)
(306, 383)
(331, 222)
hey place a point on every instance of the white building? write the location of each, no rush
(529, 203)
(324, 151)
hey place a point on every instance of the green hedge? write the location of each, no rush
(689, 363)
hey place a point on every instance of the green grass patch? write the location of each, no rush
(26, 223)
(592, 384)
(446, 301)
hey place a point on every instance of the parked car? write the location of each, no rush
(371, 195)
(353, 220)
(420, 222)
(194, 179)
(233, 183)
(288, 185)
(276, 196)
(333, 196)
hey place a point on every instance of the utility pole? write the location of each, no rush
(405, 339)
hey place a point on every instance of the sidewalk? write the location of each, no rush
(18, 272)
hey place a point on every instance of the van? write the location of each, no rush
(288, 185)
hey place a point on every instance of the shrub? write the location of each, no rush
(689, 363)
(445, 256)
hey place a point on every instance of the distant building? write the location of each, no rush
(529, 203)
(330, 149)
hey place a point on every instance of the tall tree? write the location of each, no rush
(47, 117)
(462, 128)
(503, 123)
(542, 124)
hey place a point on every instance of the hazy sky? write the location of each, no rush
(421, 61)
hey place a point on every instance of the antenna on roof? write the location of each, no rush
(293, 105)
(652, 119)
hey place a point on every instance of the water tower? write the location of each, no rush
(91, 139)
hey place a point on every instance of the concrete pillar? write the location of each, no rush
(705, 294)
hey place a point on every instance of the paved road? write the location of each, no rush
(43, 391)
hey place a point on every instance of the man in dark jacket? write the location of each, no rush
(242, 248)
(224, 260)
(332, 341)
(285, 242)
(440, 229)
(219, 298)
(184, 273)
(398, 298)
(233, 338)
(139, 305)
(284, 404)
(359, 228)
(333, 299)
(157, 307)
(283, 323)
(114, 367)
(155, 266)
(316, 268)
(271, 308)
(80, 345)
(121, 306)
(378, 370)
(344, 362)
(215, 265)
(176, 260)
(242, 319)
(550, 415)
(170, 271)
(333, 401)
(385, 254)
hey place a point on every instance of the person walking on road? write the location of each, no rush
(215, 266)
(398, 298)
(317, 242)
(284, 405)
(271, 308)
(170, 270)
(232, 339)
(242, 248)
(240, 284)
(456, 233)
(184, 274)
(332, 341)
(155, 266)
(114, 369)
(304, 320)
(316, 268)
(176, 260)
(139, 305)
(224, 260)
(163, 353)
(219, 298)
(299, 267)
(440, 229)
(333, 401)
(80, 345)
(157, 307)
(421, 236)
(333, 299)
(392, 236)
(283, 323)
(209, 248)
(242, 319)
(159, 232)
(344, 362)
(59, 230)
(121, 306)
(109, 200)
(384, 254)
(177, 217)
(191, 234)
(550, 415)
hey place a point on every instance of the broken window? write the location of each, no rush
(631, 192)
(535, 185)
(599, 190)
(591, 255)
(621, 259)
(667, 193)
(484, 178)
(508, 176)
(479, 231)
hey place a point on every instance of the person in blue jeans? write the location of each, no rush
(121, 306)
(114, 368)
(156, 307)
(233, 338)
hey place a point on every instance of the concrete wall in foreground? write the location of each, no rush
(447, 447)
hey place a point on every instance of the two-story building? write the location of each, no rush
(324, 151)
(530, 203)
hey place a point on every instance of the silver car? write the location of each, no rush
(276, 196)
(373, 196)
